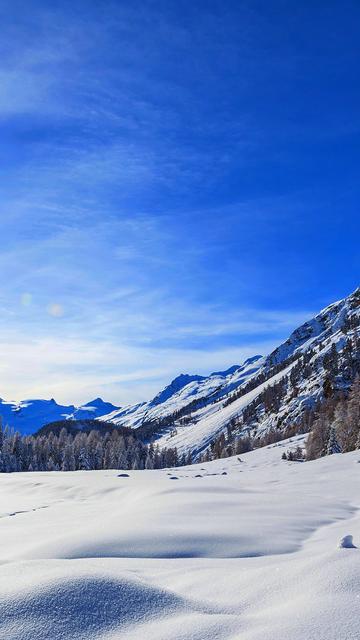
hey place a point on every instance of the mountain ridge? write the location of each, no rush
(296, 370)
(289, 381)
(193, 409)
(27, 416)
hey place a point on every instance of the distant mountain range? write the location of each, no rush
(28, 416)
(192, 410)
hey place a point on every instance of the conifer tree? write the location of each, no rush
(68, 463)
(332, 445)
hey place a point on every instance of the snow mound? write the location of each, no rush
(251, 554)
(89, 603)
(347, 543)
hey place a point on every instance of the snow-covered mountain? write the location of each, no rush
(28, 416)
(185, 390)
(193, 410)
(183, 395)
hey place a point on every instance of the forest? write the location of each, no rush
(115, 448)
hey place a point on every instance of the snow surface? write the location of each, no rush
(249, 548)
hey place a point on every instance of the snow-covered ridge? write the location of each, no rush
(193, 409)
(298, 362)
(30, 415)
(184, 393)
(327, 322)
(196, 427)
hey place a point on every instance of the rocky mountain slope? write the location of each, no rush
(264, 393)
(183, 395)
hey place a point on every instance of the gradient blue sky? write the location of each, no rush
(179, 186)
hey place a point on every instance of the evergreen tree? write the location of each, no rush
(332, 445)
(354, 413)
(68, 463)
(84, 461)
(316, 445)
(342, 426)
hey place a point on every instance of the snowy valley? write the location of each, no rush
(255, 548)
(137, 543)
(180, 320)
(263, 394)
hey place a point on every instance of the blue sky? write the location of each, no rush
(179, 186)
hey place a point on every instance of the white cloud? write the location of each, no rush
(77, 370)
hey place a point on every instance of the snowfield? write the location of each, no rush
(250, 549)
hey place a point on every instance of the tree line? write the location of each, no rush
(333, 420)
(336, 425)
(67, 451)
(229, 443)
(333, 425)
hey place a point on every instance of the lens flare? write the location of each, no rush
(55, 310)
(26, 299)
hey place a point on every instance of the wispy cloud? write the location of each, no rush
(75, 370)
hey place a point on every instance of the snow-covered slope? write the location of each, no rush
(196, 411)
(184, 394)
(29, 415)
(246, 549)
(329, 322)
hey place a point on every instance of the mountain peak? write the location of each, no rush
(196, 397)
(327, 321)
(227, 372)
(97, 402)
(175, 385)
(252, 360)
